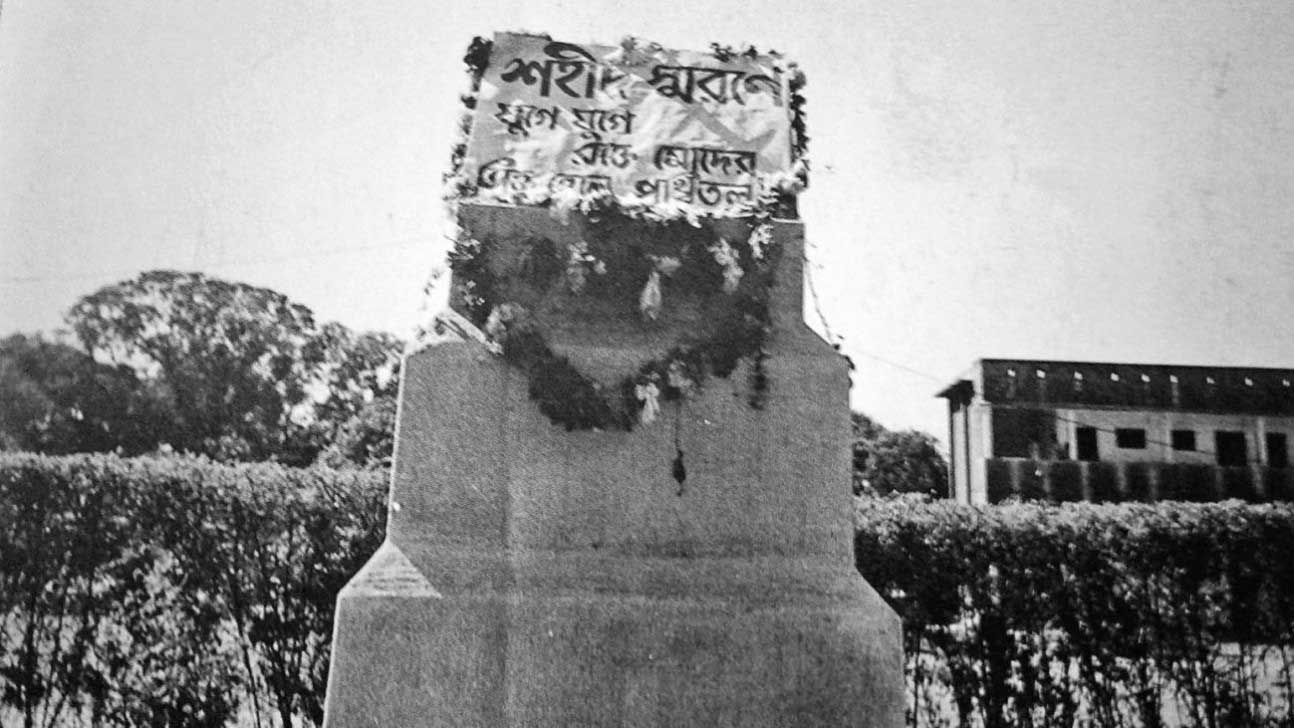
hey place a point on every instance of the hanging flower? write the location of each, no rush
(650, 299)
(760, 238)
(503, 315)
(677, 377)
(727, 259)
(579, 263)
(575, 278)
(666, 264)
(649, 395)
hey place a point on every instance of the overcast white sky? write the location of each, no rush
(1100, 180)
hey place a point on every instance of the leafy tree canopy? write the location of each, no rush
(355, 422)
(57, 399)
(244, 373)
(888, 461)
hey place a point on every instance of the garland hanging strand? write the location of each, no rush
(563, 393)
(743, 271)
(679, 469)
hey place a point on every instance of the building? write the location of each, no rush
(1064, 430)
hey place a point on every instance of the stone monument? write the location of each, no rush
(621, 495)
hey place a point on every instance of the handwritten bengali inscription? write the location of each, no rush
(519, 119)
(704, 160)
(655, 127)
(563, 67)
(689, 83)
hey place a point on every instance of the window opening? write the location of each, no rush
(1230, 447)
(1184, 440)
(1278, 455)
(1130, 438)
(1085, 442)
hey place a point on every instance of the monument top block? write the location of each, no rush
(695, 133)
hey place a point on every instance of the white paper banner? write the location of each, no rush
(651, 126)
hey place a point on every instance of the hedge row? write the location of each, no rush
(173, 592)
(1083, 614)
(183, 593)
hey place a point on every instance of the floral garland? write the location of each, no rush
(742, 270)
(703, 264)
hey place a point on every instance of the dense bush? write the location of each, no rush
(1109, 615)
(178, 592)
(173, 592)
(888, 461)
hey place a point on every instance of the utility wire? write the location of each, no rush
(832, 339)
(903, 367)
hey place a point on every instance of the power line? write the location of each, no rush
(904, 367)
(832, 339)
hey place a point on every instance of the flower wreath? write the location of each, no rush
(684, 254)
(674, 256)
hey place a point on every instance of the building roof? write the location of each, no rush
(1241, 390)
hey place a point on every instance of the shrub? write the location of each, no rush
(1112, 615)
(167, 592)
(178, 592)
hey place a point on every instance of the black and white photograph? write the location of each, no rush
(658, 364)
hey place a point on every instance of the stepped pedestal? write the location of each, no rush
(538, 577)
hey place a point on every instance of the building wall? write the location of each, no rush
(1071, 480)
(958, 471)
(1047, 467)
(1136, 386)
(1159, 426)
(1004, 412)
(980, 438)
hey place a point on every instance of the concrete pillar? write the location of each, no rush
(538, 577)
(1260, 435)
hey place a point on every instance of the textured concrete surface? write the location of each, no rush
(538, 577)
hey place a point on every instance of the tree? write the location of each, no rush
(886, 461)
(367, 438)
(359, 368)
(59, 400)
(357, 419)
(246, 373)
(233, 360)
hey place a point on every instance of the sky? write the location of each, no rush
(1104, 181)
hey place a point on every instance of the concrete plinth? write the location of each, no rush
(538, 577)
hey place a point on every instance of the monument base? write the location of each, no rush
(695, 571)
(439, 638)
